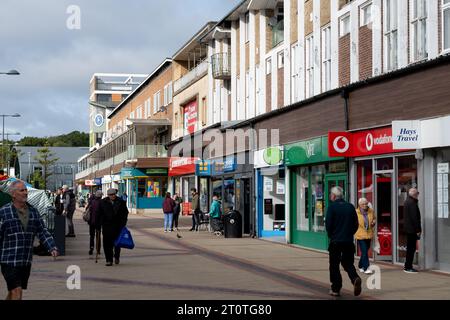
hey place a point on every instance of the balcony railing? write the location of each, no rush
(146, 151)
(221, 66)
(192, 76)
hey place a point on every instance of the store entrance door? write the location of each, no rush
(383, 207)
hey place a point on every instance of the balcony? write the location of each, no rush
(192, 76)
(221, 66)
(146, 151)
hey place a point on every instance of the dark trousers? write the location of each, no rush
(196, 219)
(364, 246)
(91, 236)
(176, 216)
(108, 246)
(341, 253)
(411, 247)
(69, 218)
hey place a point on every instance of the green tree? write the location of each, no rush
(37, 180)
(46, 159)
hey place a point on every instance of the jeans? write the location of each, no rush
(364, 246)
(411, 248)
(341, 253)
(168, 217)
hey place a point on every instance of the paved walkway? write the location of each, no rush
(201, 266)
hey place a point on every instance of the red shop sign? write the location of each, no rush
(359, 144)
(181, 166)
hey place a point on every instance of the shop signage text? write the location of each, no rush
(190, 117)
(359, 144)
(181, 166)
(406, 135)
(307, 152)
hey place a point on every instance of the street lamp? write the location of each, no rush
(11, 73)
(16, 115)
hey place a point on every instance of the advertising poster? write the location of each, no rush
(190, 117)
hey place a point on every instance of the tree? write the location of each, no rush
(46, 159)
(73, 139)
(37, 181)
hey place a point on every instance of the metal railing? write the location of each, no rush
(195, 74)
(146, 151)
(221, 66)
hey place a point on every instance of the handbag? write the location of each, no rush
(125, 240)
(87, 215)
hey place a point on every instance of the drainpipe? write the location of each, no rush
(345, 95)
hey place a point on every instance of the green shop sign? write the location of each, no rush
(308, 152)
(157, 172)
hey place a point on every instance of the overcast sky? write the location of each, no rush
(56, 63)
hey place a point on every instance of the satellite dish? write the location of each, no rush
(273, 22)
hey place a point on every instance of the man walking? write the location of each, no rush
(341, 225)
(19, 224)
(195, 209)
(412, 228)
(58, 202)
(112, 216)
(69, 209)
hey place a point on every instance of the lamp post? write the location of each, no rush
(16, 115)
(11, 73)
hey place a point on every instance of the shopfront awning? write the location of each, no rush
(132, 173)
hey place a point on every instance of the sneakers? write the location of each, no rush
(117, 261)
(109, 264)
(361, 270)
(368, 271)
(412, 271)
(334, 294)
(171, 230)
(357, 287)
(165, 231)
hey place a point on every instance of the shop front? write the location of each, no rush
(312, 175)
(271, 193)
(183, 179)
(384, 177)
(146, 188)
(432, 139)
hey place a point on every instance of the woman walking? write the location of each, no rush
(365, 233)
(168, 208)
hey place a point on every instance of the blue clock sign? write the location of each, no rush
(99, 120)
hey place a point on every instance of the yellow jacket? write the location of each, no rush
(362, 233)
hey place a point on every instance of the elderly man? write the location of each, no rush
(112, 216)
(341, 225)
(19, 224)
(412, 228)
(69, 209)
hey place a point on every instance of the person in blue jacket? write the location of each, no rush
(216, 216)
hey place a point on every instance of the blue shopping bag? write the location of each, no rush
(125, 240)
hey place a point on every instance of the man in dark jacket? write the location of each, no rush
(112, 216)
(69, 209)
(195, 210)
(59, 203)
(341, 225)
(412, 228)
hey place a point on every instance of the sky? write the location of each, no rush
(57, 51)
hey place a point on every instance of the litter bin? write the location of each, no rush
(233, 225)
(59, 234)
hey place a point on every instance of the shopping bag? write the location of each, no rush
(125, 240)
(87, 215)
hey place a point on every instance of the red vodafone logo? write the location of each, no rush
(369, 142)
(341, 144)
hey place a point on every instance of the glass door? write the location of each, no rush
(383, 213)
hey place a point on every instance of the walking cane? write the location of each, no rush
(97, 244)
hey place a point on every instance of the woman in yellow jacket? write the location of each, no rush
(364, 235)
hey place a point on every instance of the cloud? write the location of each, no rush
(56, 63)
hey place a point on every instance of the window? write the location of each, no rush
(419, 29)
(280, 59)
(247, 27)
(148, 111)
(168, 94)
(366, 14)
(345, 25)
(391, 34)
(247, 93)
(139, 112)
(67, 170)
(295, 73)
(156, 102)
(58, 170)
(446, 24)
(277, 25)
(132, 115)
(310, 66)
(268, 66)
(326, 58)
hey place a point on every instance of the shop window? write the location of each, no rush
(302, 199)
(229, 195)
(365, 181)
(385, 164)
(318, 198)
(217, 188)
(204, 195)
(274, 202)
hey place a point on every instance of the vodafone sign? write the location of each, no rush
(359, 144)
